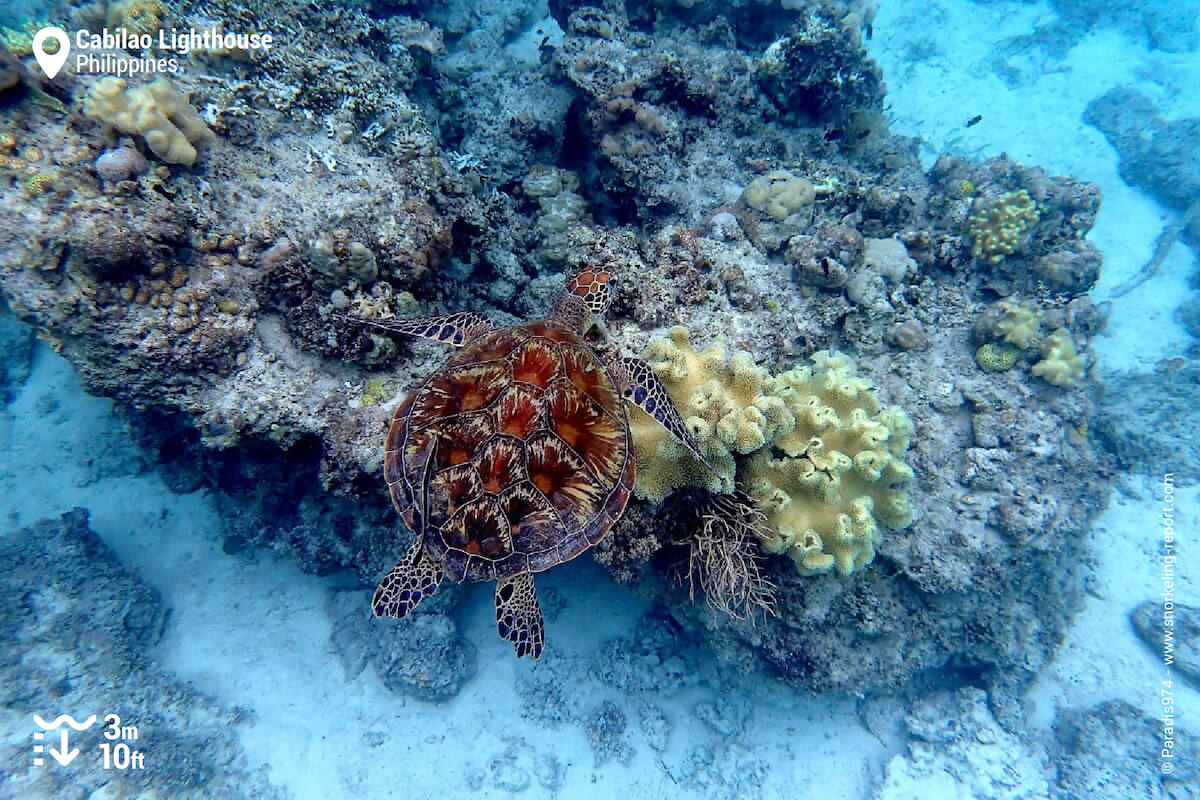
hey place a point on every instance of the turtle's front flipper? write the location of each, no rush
(640, 386)
(409, 582)
(456, 329)
(518, 616)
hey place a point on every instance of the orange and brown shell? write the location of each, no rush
(514, 456)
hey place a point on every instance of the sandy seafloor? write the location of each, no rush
(254, 632)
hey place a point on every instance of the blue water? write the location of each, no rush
(189, 551)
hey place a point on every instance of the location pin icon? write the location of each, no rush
(51, 63)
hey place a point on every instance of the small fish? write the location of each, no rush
(974, 120)
(863, 134)
(833, 134)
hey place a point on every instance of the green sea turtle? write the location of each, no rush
(515, 455)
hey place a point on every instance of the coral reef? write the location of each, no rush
(471, 159)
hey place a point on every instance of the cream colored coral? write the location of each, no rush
(997, 225)
(1018, 325)
(779, 193)
(843, 473)
(171, 127)
(727, 404)
(1061, 365)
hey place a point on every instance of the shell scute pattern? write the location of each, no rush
(521, 446)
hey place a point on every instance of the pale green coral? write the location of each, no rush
(997, 356)
(1018, 324)
(375, 391)
(839, 473)
(996, 225)
(1061, 365)
(843, 473)
(780, 194)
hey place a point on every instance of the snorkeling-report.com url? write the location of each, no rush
(1166, 755)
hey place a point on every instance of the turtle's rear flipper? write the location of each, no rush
(518, 616)
(409, 582)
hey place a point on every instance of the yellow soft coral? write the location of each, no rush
(1061, 365)
(727, 404)
(843, 472)
(1018, 325)
(171, 127)
(996, 225)
(826, 458)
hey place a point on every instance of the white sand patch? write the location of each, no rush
(1102, 658)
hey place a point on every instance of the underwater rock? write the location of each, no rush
(819, 71)
(422, 656)
(78, 632)
(1157, 156)
(1172, 28)
(1145, 419)
(1148, 620)
(1112, 752)
(605, 725)
(1074, 270)
(16, 352)
(958, 749)
(515, 768)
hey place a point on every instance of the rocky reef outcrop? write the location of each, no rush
(729, 162)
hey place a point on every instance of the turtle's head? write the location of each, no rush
(584, 299)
